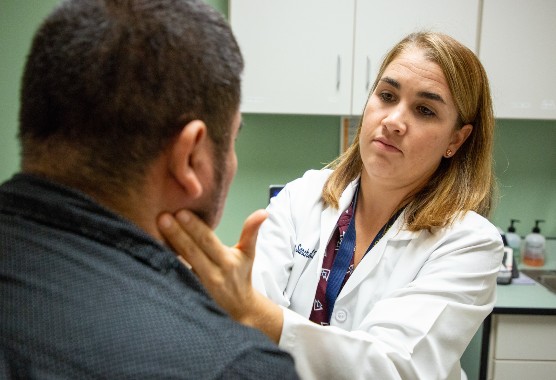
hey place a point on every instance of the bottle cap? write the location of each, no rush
(536, 229)
(511, 228)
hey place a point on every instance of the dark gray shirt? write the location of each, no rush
(86, 294)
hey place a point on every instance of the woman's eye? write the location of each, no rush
(425, 111)
(386, 97)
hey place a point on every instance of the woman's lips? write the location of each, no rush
(385, 145)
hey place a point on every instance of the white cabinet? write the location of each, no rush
(379, 25)
(321, 56)
(298, 55)
(522, 347)
(518, 50)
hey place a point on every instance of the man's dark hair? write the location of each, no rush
(109, 83)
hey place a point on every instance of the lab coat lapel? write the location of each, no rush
(373, 257)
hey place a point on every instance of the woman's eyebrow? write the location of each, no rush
(423, 94)
(392, 82)
(431, 96)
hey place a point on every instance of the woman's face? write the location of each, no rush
(409, 123)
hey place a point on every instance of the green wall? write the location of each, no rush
(18, 21)
(278, 148)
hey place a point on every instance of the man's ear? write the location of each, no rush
(186, 155)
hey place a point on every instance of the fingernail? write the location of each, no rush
(165, 221)
(183, 216)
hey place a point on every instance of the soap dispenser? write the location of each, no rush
(533, 251)
(513, 239)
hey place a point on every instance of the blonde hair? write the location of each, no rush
(461, 183)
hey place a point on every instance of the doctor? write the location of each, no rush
(383, 265)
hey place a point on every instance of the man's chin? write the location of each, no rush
(206, 217)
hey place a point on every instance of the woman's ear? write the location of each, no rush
(459, 138)
(185, 156)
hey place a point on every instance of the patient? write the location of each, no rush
(128, 108)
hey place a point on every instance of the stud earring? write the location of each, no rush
(448, 153)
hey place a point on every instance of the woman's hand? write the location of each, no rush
(224, 271)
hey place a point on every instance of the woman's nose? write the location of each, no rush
(396, 121)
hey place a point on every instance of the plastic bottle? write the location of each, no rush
(533, 251)
(513, 239)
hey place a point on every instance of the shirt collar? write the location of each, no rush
(53, 204)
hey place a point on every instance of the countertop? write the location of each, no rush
(528, 297)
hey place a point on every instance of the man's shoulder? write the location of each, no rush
(132, 323)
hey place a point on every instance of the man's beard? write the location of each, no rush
(212, 210)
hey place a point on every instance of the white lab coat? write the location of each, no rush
(409, 309)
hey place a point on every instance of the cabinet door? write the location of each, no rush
(381, 24)
(298, 55)
(522, 347)
(523, 369)
(525, 337)
(518, 50)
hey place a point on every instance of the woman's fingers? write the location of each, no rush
(182, 243)
(203, 236)
(248, 237)
(224, 271)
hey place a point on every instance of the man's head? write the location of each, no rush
(110, 84)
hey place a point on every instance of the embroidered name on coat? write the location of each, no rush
(305, 252)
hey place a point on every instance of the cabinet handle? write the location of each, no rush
(368, 70)
(338, 72)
